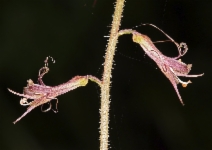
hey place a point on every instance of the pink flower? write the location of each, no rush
(171, 67)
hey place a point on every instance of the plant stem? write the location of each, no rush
(105, 89)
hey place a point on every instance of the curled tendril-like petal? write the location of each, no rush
(182, 48)
(43, 71)
(56, 109)
(24, 102)
(50, 106)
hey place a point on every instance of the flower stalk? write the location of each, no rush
(105, 89)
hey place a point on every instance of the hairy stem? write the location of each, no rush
(105, 89)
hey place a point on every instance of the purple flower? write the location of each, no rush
(171, 67)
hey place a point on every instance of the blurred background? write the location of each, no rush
(145, 111)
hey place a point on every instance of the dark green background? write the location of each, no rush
(145, 112)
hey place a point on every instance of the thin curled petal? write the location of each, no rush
(50, 106)
(24, 102)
